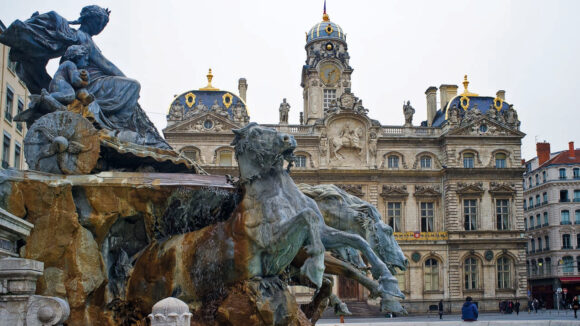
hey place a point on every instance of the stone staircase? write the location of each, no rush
(358, 309)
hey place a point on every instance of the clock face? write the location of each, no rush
(329, 73)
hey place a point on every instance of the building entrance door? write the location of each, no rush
(348, 289)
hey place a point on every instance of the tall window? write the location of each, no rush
(225, 158)
(9, 104)
(531, 203)
(548, 265)
(5, 151)
(547, 242)
(525, 223)
(504, 273)
(577, 216)
(543, 176)
(564, 196)
(537, 179)
(17, 155)
(500, 160)
(394, 215)
(393, 162)
(537, 200)
(470, 214)
(568, 264)
(576, 173)
(539, 244)
(525, 202)
(402, 280)
(502, 214)
(471, 274)
(300, 161)
(566, 243)
(531, 222)
(19, 110)
(431, 275)
(578, 241)
(329, 95)
(533, 245)
(562, 173)
(577, 195)
(545, 198)
(468, 159)
(538, 220)
(427, 217)
(425, 162)
(565, 217)
(541, 266)
(546, 220)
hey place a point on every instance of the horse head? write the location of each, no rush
(380, 237)
(260, 150)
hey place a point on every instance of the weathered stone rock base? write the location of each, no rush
(259, 302)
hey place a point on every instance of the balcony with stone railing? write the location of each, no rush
(386, 131)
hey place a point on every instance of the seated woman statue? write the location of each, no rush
(46, 36)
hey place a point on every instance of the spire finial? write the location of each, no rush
(466, 92)
(209, 87)
(324, 14)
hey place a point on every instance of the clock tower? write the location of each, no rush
(326, 73)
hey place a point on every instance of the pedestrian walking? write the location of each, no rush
(517, 307)
(440, 309)
(575, 306)
(535, 304)
(469, 310)
(529, 305)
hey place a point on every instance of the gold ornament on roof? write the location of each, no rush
(190, 99)
(227, 100)
(325, 17)
(497, 103)
(209, 87)
(465, 91)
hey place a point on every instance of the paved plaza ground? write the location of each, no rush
(523, 316)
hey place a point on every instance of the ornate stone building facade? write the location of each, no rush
(13, 100)
(450, 187)
(552, 222)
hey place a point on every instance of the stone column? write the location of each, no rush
(18, 304)
(170, 312)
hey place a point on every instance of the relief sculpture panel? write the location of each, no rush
(347, 143)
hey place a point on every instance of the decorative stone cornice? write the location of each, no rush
(355, 190)
(502, 189)
(466, 189)
(392, 191)
(427, 191)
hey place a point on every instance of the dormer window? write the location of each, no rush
(393, 162)
(425, 162)
(468, 160)
(500, 161)
(300, 161)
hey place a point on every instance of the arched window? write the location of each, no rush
(191, 153)
(471, 273)
(564, 217)
(540, 244)
(548, 266)
(402, 280)
(538, 220)
(537, 179)
(225, 158)
(504, 273)
(576, 173)
(562, 174)
(468, 160)
(568, 264)
(537, 200)
(533, 246)
(431, 275)
(425, 162)
(566, 243)
(393, 162)
(500, 160)
(545, 198)
(534, 267)
(300, 161)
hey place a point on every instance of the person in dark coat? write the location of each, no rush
(517, 307)
(469, 310)
(575, 306)
(440, 309)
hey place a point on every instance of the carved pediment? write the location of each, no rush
(355, 190)
(427, 191)
(475, 188)
(484, 126)
(502, 189)
(207, 122)
(391, 191)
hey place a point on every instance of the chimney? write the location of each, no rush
(571, 150)
(431, 93)
(500, 94)
(446, 93)
(543, 151)
(242, 88)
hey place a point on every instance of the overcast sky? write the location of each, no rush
(398, 49)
